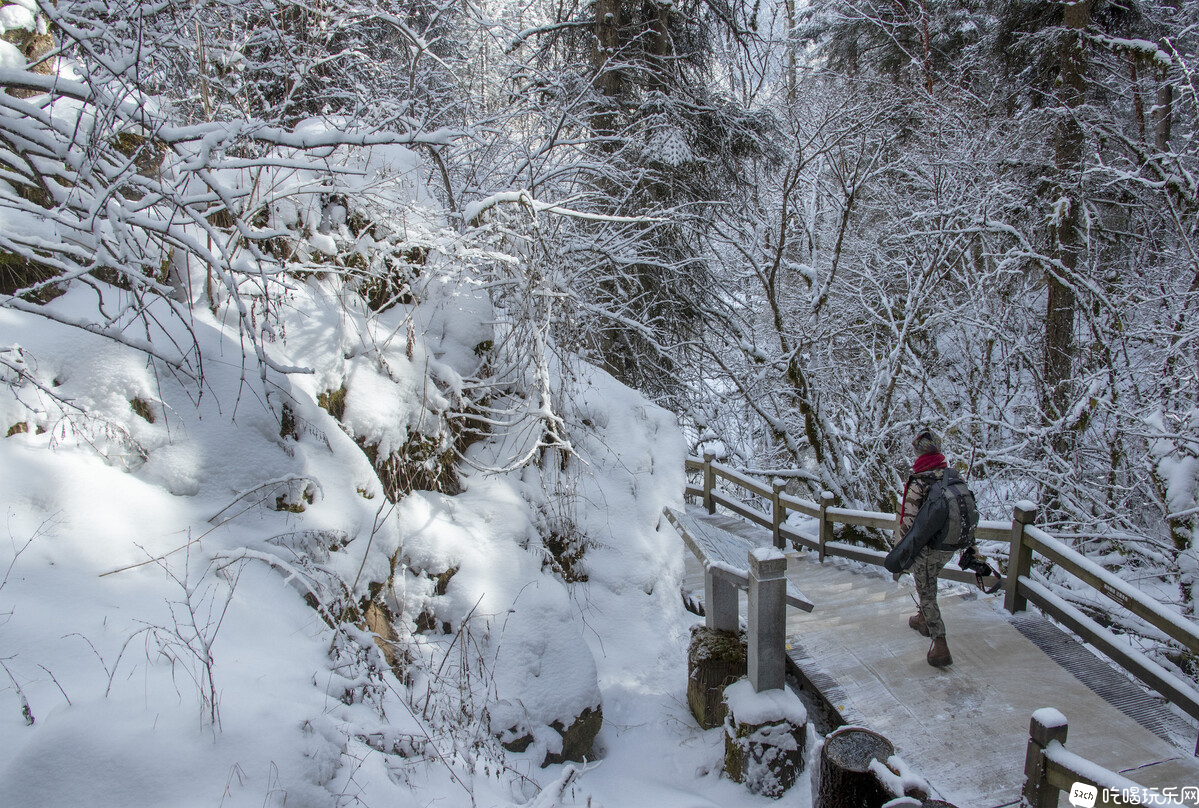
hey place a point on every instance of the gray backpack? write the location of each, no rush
(961, 512)
(947, 520)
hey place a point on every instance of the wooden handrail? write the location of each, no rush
(1024, 539)
(739, 479)
(1049, 769)
(880, 521)
(1174, 689)
(1115, 589)
(822, 511)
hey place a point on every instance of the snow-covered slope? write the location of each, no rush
(195, 565)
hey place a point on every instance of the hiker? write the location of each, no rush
(929, 467)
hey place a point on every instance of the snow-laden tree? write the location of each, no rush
(983, 224)
(615, 113)
(140, 151)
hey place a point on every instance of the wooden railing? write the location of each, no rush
(780, 505)
(1050, 769)
(1021, 589)
(1024, 540)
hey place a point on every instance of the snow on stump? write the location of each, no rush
(765, 738)
(859, 769)
(715, 660)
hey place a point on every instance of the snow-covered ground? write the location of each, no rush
(208, 596)
(163, 535)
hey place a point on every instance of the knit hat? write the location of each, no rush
(926, 441)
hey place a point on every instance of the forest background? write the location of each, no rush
(806, 229)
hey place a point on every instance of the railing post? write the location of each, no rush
(1038, 793)
(709, 482)
(826, 527)
(778, 514)
(767, 619)
(1019, 556)
(720, 604)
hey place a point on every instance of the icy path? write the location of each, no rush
(965, 727)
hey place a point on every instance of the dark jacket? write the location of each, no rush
(914, 493)
(904, 553)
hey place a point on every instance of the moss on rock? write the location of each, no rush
(715, 659)
(578, 740)
(333, 402)
(143, 409)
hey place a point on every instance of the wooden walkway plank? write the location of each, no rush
(965, 727)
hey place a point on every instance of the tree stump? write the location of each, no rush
(765, 741)
(846, 780)
(715, 660)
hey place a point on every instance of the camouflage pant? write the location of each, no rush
(924, 571)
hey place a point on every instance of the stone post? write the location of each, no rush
(767, 618)
(720, 603)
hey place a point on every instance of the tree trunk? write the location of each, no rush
(1163, 111)
(1138, 106)
(926, 47)
(1068, 243)
(607, 43)
(792, 52)
(609, 78)
(661, 47)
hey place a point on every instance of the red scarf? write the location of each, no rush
(926, 462)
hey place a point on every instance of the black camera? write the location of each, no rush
(971, 560)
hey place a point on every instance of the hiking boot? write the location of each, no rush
(916, 621)
(938, 653)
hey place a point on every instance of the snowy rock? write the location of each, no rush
(546, 679)
(17, 17)
(10, 57)
(26, 39)
(578, 740)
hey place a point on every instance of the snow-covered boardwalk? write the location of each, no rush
(965, 728)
